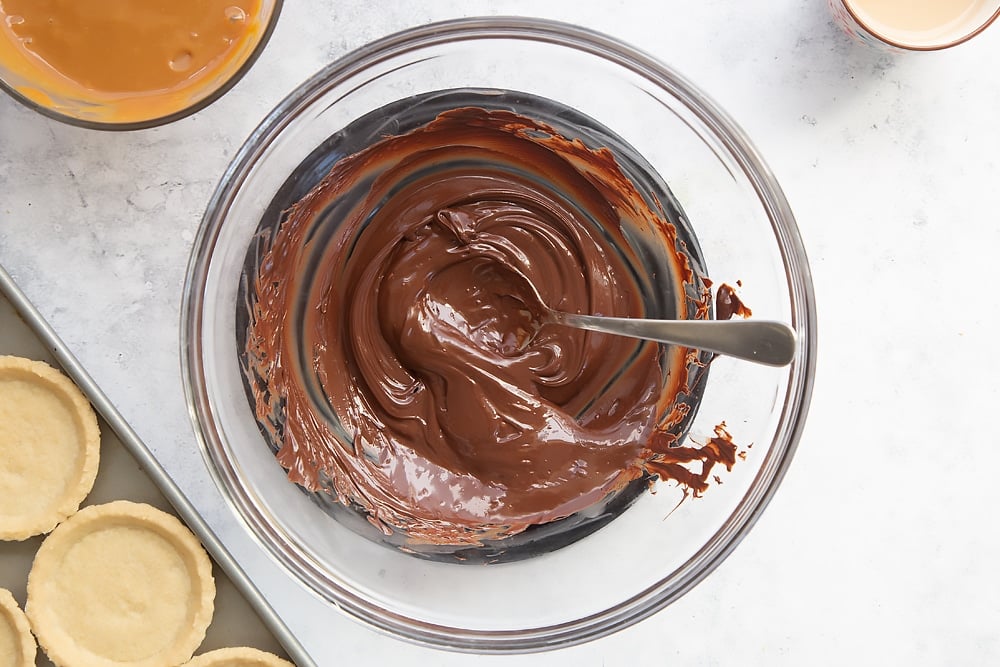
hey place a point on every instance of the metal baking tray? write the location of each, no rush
(128, 471)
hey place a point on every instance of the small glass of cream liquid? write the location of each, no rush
(915, 25)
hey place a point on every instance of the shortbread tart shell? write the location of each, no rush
(241, 656)
(17, 645)
(122, 584)
(49, 448)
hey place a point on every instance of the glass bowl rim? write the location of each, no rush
(212, 97)
(640, 605)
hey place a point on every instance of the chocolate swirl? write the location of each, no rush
(397, 357)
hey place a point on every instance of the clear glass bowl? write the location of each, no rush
(660, 547)
(35, 93)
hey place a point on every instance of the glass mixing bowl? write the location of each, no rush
(664, 542)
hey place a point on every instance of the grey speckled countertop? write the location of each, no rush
(880, 547)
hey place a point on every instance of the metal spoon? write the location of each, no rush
(762, 341)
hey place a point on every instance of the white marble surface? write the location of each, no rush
(882, 544)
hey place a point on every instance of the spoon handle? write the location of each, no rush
(761, 341)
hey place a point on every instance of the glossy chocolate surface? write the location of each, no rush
(396, 361)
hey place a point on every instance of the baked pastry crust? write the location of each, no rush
(241, 656)
(17, 645)
(120, 584)
(49, 448)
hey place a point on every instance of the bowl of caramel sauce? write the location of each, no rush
(117, 64)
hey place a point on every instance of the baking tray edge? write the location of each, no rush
(130, 439)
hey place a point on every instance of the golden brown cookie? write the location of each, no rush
(238, 657)
(17, 645)
(49, 448)
(120, 584)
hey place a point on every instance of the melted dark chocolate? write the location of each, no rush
(728, 304)
(400, 361)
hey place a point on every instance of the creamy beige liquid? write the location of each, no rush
(926, 22)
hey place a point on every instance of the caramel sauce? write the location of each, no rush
(123, 60)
